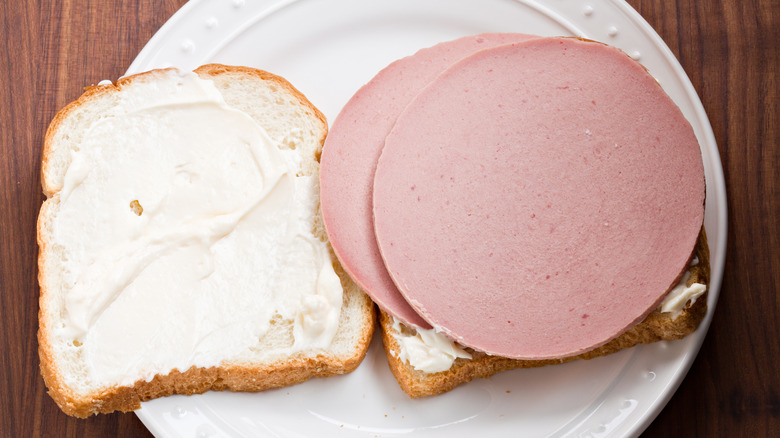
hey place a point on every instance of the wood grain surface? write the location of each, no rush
(728, 48)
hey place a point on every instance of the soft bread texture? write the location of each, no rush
(292, 122)
(655, 327)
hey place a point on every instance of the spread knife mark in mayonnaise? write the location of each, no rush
(186, 233)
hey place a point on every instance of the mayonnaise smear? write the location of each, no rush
(681, 295)
(426, 350)
(186, 234)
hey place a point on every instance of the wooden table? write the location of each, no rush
(728, 48)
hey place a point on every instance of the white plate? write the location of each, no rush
(328, 49)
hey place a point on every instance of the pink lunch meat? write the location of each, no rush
(352, 149)
(538, 199)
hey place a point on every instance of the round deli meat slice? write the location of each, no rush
(352, 149)
(538, 199)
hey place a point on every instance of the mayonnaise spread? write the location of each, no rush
(426, 350)
(186, 235)
(431, 351)
(680, 295)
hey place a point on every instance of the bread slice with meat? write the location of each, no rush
(657, 326)
(293, 124)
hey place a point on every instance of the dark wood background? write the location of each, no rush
(53, 48)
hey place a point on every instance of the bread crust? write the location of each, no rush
(233, 376)
(655, 327)
(197, 380)
(213, 70)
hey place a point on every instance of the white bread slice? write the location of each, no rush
(655, 327)
(293, 123)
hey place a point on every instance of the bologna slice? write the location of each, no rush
(538, 199)
(352, 149)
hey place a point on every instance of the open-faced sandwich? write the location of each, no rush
(513, 201)
(181, 247)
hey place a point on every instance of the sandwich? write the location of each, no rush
(181, 245)
(427, 363)
(520, 203)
